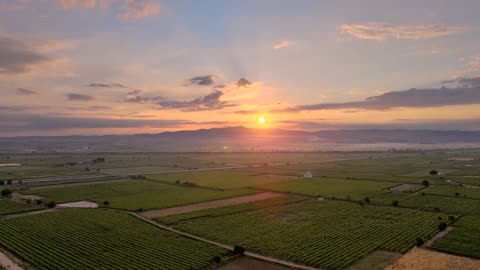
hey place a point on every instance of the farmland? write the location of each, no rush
(463, 240)
(99, 239)
(134, 194)
(340, 218)
(330, 235)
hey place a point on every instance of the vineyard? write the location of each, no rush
(455, 191)
(100, 239)
(329, 235)
(10, 207)
(464, 239)
(444, 204)
(325, 187)
(135, 194)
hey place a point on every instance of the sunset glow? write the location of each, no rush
(261, 120)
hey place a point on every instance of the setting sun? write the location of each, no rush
(261, 120)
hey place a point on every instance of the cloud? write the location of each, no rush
(18, 56)
(382, 31)
(201, 80)
(465, 82)
(25, 92)
(243, 82)
(90, 108)
(79, 97)
(282, 44)
(208, 102)
(106, 85)
(137, 97)
(138, 9)
(413, 98)
(67, 4)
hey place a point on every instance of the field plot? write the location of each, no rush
(10, 207)
(100, 239)
(454, 191)
(444, 204)
(325, 187)
(325, 234)
(463, 239)
(134, 194)
(224, 179)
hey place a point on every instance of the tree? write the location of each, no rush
(419, 242)
(433, 172)
(106, 203)
(238, 250)
(451, 218)
(425, 183)
(217, 259)
(457, 194)
(6, 192)
(394, 203)
(9, 182)
(51, 204)
(2, 183)
(367, 200)
(442, 226)
(39, 202)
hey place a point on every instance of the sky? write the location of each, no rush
(93, 67)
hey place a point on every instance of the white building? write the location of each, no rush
(307, 175)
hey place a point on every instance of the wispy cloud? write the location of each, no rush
(79, 97)
(282, 44)
(25, 92)
(138, 9)
(204, 103)
(382, 31)
(106, 85)
(412, 98)
(18, 56)
(67, 4)
(201, 80)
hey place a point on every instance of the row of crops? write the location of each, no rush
(325, 234)
(100, 239)
(463, 239)
(10, 207)
(435, 203)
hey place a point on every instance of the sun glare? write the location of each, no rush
(261, 120)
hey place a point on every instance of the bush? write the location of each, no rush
(433, 172)
(419, 242)
(217, 259)
(394, 203)
(39, 202)
(442, 226)
(451, 218)
(106, 203)
(425, 183)
(140, 210)
(367, 200)
(51, 204)
(6, 192)
(238, 250)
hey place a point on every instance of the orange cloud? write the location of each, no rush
(382, 31)
(139, 9)
(282, 44)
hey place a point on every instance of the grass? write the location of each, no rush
(11, 207)
(329, 235)
(134, 194)
(463, 239)
(100, 239)
(325, 187)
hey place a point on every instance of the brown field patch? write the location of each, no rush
(422, 259)
(246, 263)
(402, 187)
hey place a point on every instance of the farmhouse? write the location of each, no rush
(307, 175)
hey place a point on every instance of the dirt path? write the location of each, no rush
(212, 204)
(8, 263)
(30, 213)
(439, 235)
(229, 247)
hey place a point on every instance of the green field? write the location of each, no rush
(223, 179)
(325, 187)
(435, 203)
(134, 194)
(463, 239)
(454, 191)
(10, 207)
(100, 239)
(330, 235)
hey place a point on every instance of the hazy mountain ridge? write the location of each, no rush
(238, 138)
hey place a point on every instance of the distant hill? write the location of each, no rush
(247, 139)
